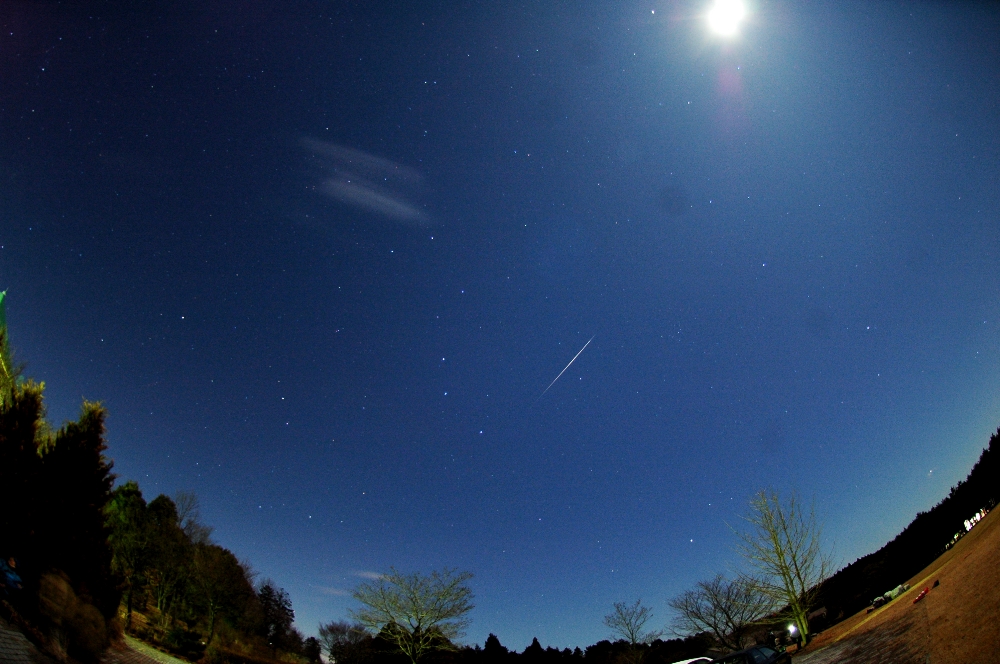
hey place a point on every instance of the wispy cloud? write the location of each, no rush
(374, 576)
(368, 182)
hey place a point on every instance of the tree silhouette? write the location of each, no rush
(493, 651)
(628, 621)
(189, 518)
(129, 538)
(415, 612)
(312, 650)
(54, 487)
(345, 643)
(782, 545)
(221, 583)
(170, 556)
(69, 530)
(727, 609)
(277, 614)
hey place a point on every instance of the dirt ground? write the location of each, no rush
(958, 622)
(134, 651)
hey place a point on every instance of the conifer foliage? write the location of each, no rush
(54, 486)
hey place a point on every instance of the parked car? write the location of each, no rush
(755, 655)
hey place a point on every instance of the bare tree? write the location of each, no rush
(417, 613)
(728, 609)
(628, 621)
(189, 518)
(344, 642)
(782, 546)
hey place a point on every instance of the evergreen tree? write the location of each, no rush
(129, 539)
(312, 650)
(493, 651)
(534, 652)
(170, 555)
(77, 487)
(277, 614)
(54, 488)
(21, 414)
(221, 585)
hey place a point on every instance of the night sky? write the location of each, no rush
(320, 260)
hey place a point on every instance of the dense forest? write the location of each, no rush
(86, 561)
(181, 591)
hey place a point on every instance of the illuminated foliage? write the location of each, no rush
(418, 613)
(782, 546)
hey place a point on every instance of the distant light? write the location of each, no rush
(791, 629)
(725, 16)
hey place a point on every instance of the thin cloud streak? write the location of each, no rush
(369, 183)
(374, 576)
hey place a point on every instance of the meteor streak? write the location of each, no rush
(564, 369)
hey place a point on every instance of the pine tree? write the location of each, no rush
(53, 488)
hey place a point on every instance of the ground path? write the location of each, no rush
(15, 648)
(137, 652)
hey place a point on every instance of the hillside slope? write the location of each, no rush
(957, 621)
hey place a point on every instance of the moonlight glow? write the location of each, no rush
(725, 16)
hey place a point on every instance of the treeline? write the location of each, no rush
(344, 643)
(81, 561)
(918, 545)
(87, 562)
(189, 595)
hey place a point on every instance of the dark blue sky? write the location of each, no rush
(320, 259)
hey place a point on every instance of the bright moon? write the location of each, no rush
(725, 15)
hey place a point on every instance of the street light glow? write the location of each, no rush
(725, 15)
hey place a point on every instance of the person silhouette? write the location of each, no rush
(9, 579)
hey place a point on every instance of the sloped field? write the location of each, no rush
(956, 622)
